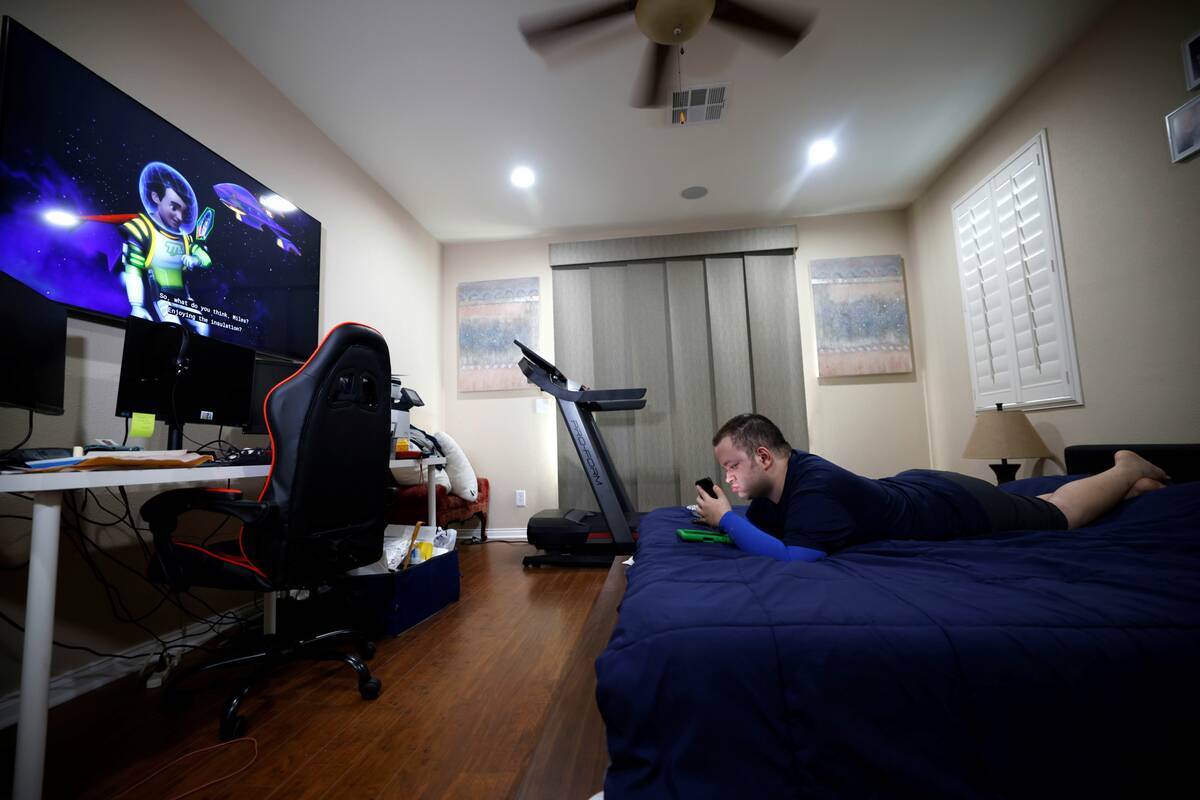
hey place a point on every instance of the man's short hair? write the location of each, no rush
(748, 432)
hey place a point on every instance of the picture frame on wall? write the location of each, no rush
(1191, 60)
(490, 315)
(1183, 130)
(861, 310)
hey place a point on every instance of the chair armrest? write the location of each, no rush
(162, 513)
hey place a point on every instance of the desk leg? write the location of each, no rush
(431, 498)
(35, 658)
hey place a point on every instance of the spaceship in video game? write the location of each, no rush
(249, 211)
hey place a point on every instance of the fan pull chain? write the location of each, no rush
(679, 79)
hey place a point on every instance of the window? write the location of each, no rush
(1014, 290)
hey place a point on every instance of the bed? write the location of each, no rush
(1025, 664)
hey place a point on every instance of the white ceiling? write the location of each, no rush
(438, 100)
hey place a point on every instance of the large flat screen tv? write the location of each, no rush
(109, 209)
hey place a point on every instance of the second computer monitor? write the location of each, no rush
(181, 376)
(267, 374)
(33, 348)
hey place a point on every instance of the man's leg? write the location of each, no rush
(1086, 499)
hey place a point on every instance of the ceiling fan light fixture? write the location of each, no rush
(672, 21)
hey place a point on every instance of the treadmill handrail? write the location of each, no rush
(596, 395)
(614, 405)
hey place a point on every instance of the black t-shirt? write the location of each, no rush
(827, 508)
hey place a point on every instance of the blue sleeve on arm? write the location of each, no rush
(749, 538)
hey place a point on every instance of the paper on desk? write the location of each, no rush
(130, 459)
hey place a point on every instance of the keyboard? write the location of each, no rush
(246, 457)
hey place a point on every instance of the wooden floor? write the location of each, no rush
(466, 697)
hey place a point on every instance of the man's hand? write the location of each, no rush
(712, 508)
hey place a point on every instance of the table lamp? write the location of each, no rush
(1004, 435)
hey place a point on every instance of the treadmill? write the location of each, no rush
(575, 537)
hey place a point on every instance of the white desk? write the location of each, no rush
(47, 490)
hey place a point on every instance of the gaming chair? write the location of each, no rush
(321, 512)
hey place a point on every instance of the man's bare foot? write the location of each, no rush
(1142, 486)
(1141, 467)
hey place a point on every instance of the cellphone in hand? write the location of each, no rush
(707, 485)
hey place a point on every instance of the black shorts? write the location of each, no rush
(1010, 512)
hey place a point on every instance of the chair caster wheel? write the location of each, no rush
(370, 688)
(367, 651)
(233, 730)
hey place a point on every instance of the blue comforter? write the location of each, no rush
(1025, 664)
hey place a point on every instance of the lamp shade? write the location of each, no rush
(1004, 434)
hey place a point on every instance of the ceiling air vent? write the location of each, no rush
(698, 104)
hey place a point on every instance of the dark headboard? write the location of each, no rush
(1181, 461)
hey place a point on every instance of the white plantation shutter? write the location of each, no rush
(1018, 321)
(984, 303)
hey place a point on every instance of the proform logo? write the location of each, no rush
(585, 452)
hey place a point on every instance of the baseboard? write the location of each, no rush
(506, 534)
(81, 680)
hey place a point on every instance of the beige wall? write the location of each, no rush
(504, 437)
(1130, 233)
(875, 426)
(872, 425)
(379, 266)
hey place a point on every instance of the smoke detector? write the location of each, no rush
(698, 104)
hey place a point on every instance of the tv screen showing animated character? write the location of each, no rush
(108, 208)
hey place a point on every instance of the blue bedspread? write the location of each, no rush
(1025, 664)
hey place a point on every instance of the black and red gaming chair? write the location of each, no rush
(321, 512)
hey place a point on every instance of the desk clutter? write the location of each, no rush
(113, 459)
(409, 545)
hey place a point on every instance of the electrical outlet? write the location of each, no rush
(520, 498)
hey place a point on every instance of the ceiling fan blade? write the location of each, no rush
(776, 33)
(543, 30)
(650, 89)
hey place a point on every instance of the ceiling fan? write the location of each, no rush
(668, 24)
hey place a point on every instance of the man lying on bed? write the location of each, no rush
(803, 507)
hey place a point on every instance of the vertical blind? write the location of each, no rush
(709, 338)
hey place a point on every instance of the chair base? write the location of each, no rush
(275, 651)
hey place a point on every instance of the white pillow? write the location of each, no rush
(462, 476)
(408, 476)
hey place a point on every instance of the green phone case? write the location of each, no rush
(693, 535)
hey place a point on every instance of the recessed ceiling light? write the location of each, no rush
(276, 203)
(694, 192)
(522, 177)
(821, 151)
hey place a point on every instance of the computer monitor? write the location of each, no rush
(33, 348)
(181, 377)
(267, 373)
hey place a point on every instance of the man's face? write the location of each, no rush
(743, 471)
(170, 208)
